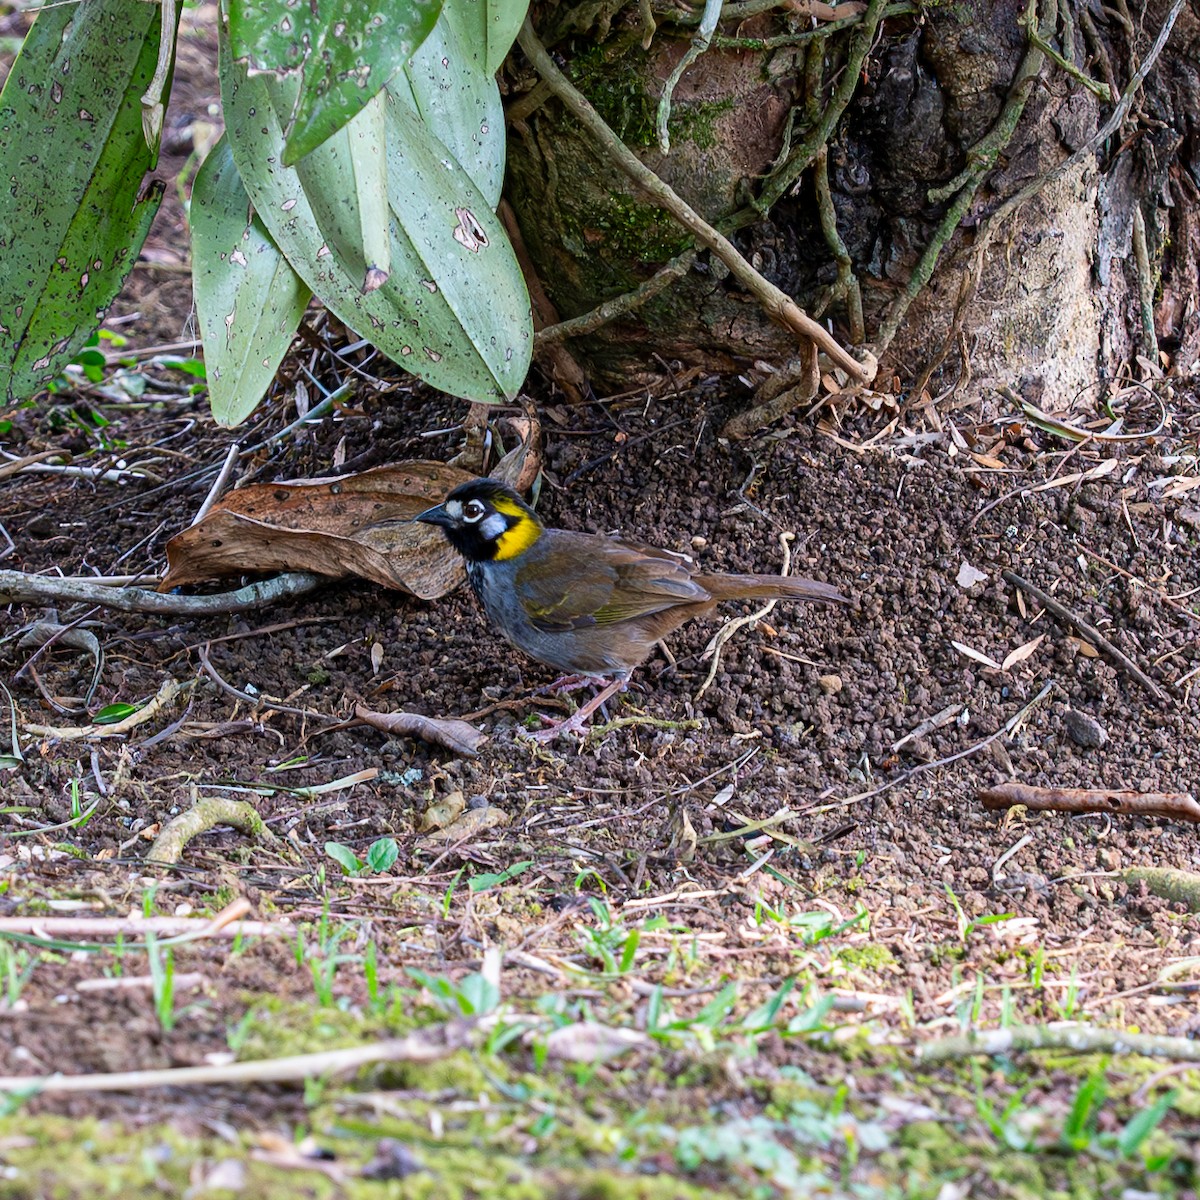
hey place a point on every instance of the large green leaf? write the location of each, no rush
(353, 217)
(248, 298)
(73, 210)
(454, 309)
(343, 52)
(502, 22)
(447, 83)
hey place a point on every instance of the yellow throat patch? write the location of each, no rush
(519, 537)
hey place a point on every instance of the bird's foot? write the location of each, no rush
(577, 722)
(565, 683)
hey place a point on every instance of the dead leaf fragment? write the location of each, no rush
(969, 576)
(444, 812)
(591, 1042)
(975, 655)
(449, 732)
(1021, 653)
(472, 824)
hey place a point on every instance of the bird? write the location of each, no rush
(589, 605)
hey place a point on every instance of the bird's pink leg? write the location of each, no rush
(577, 721)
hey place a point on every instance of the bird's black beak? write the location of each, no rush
(435, 516)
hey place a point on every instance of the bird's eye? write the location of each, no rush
(473, 511)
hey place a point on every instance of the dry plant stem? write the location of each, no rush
(295, 1069)
(18, 588)
(748, 423)
(1180, 806)
(1145, 281)
(846, 288)
(167, 693)
(1118, 658)
(214, 493)
(776, 303)
(204, 815)
(178, 929)
(1008, 727)
(1080, 1039)
(1180, 887)
(731, 627)
(982, 158)
(619, 306)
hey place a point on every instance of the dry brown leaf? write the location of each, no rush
(350, 525)
(1021, 653)
(472, 824)
(1085, 647)
(445, 812)
(449, 732)
(357, 524)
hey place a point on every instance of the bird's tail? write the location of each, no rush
(769, 587)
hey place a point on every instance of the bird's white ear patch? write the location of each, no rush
(493, 526)
(453, 509)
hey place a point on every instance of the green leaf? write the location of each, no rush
(248, 298)
(1142, 1124)
(490, 879)
(73, 209)
(448, 85)
(382, 855)
(354, 218)
(344, 857)
(454, 309)
(110, 714)
(341, 52)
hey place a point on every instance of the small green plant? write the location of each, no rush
(381, 857)
(16, 970)
(162, 982)
(472, 996)
(485, 880)
(812, 927)
(967, 926)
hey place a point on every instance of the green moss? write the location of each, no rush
(870, 957)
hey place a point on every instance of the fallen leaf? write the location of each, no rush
(969, 576)
(591, 1042)
(1084, 647)
(444, 812)
(472, 824)
(975, 655)
(1021, 653)
(448, 732)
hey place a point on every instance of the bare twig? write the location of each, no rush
(1080, 1039)
(214, 493)
(415, 1047)
(1119, 659)
(167, 694)
(1181, 806)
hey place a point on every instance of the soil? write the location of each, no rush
(800, 727)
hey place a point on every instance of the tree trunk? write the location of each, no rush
(910, 130)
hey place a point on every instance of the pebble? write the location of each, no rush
(1084, 731)
(830, 684)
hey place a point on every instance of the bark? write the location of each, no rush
(1057, 306)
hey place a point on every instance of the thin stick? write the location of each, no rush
(166, 695)
(294, 1069)
(1093, 635)
(731, 627)
(775, 302)
(1180, 806)
(214, 493)
(1081, 1039)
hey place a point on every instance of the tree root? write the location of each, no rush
(204, 815)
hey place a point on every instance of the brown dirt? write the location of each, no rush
(891, 525)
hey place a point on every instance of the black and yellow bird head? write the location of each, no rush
(485, 521)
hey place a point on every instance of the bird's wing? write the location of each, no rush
(592, 580)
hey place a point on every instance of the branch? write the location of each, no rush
(1081, 1039)
(1180, 806)
(776, 303)
(18, 588)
